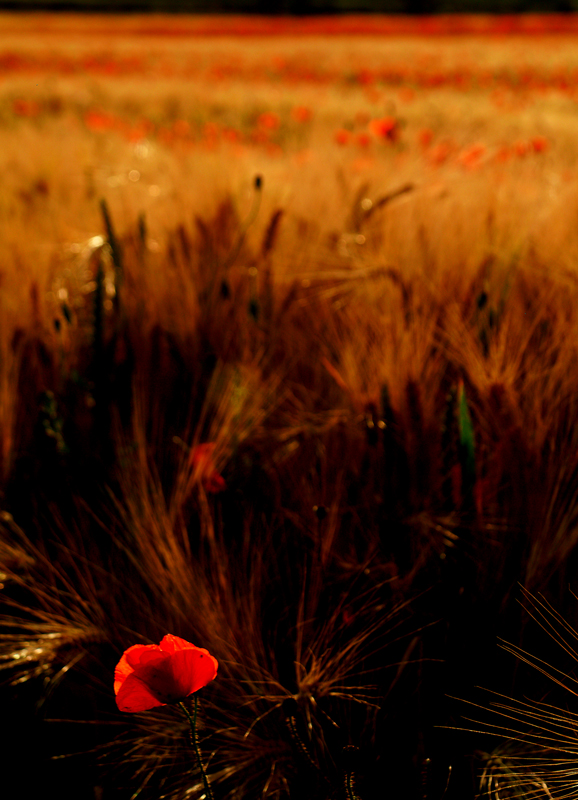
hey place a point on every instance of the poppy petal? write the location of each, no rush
(134, 695)
(151, 658)
(131, 660)
(124, 668)
(170, 644)
(214, 483)
(121, 673)
(192, 669)
(148, 676)
(136, 653)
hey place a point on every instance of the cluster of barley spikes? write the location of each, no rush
(387, 445)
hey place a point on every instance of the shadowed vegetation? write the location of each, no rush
(314, 412)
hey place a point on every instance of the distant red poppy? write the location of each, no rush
(363, 139)
(384, 128)
(348, 616)
(181, 127)
(99, 121)
(25, 108)
(365, 77)
(440, 152)
(407, 94)
(137, 133)
(201, 459)
(301, 113)
(259, 136)
(268, 120)
(211, 130)
(165, 136)
(232, 135)
(539, 144)
(151, 675)
(470, 157)
(521, 148)
(504, 153)
(372, 94)
(425, 136)
(342, 136)
(273, 149)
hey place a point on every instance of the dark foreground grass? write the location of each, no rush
(398, 458)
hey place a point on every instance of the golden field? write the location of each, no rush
(288, 350)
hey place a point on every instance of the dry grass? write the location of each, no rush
(538, 758)
(379, 343)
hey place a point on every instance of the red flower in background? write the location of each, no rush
(201, 459)
(384, 128)
(472, 155)
(232, 135)
(365, 77)
(99, 121)
(342, 136)
(139, 131)
(211, 134)
(504, 153)
(268, 120)
(301, 113)
(25, 108)
(165, 136)
(407, 94)
(521, 148)
(259, 136)
(440, 152)
(363, 139)
(539, 144)
(151, 675)
(181, 127)
(425, 136)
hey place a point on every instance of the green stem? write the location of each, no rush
(195, 743)
(350, 786)
(351, 758)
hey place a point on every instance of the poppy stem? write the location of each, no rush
(195, 743)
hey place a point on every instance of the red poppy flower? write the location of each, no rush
(181, 127)
(471, 156)
(151, 675)
(25, 108)
(301, 113)
(504, 153)
(211, 133)
(521, 148)
(539, 144)
(365, 77)
(231, 135)
(384, 128)
(342, 136)
(259, 136)
(407, 94)
(201, 459)
(363, 139)
(99, 121)
(440, 152)
(268, 120)
(425, 137)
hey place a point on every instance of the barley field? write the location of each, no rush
(289, 369)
